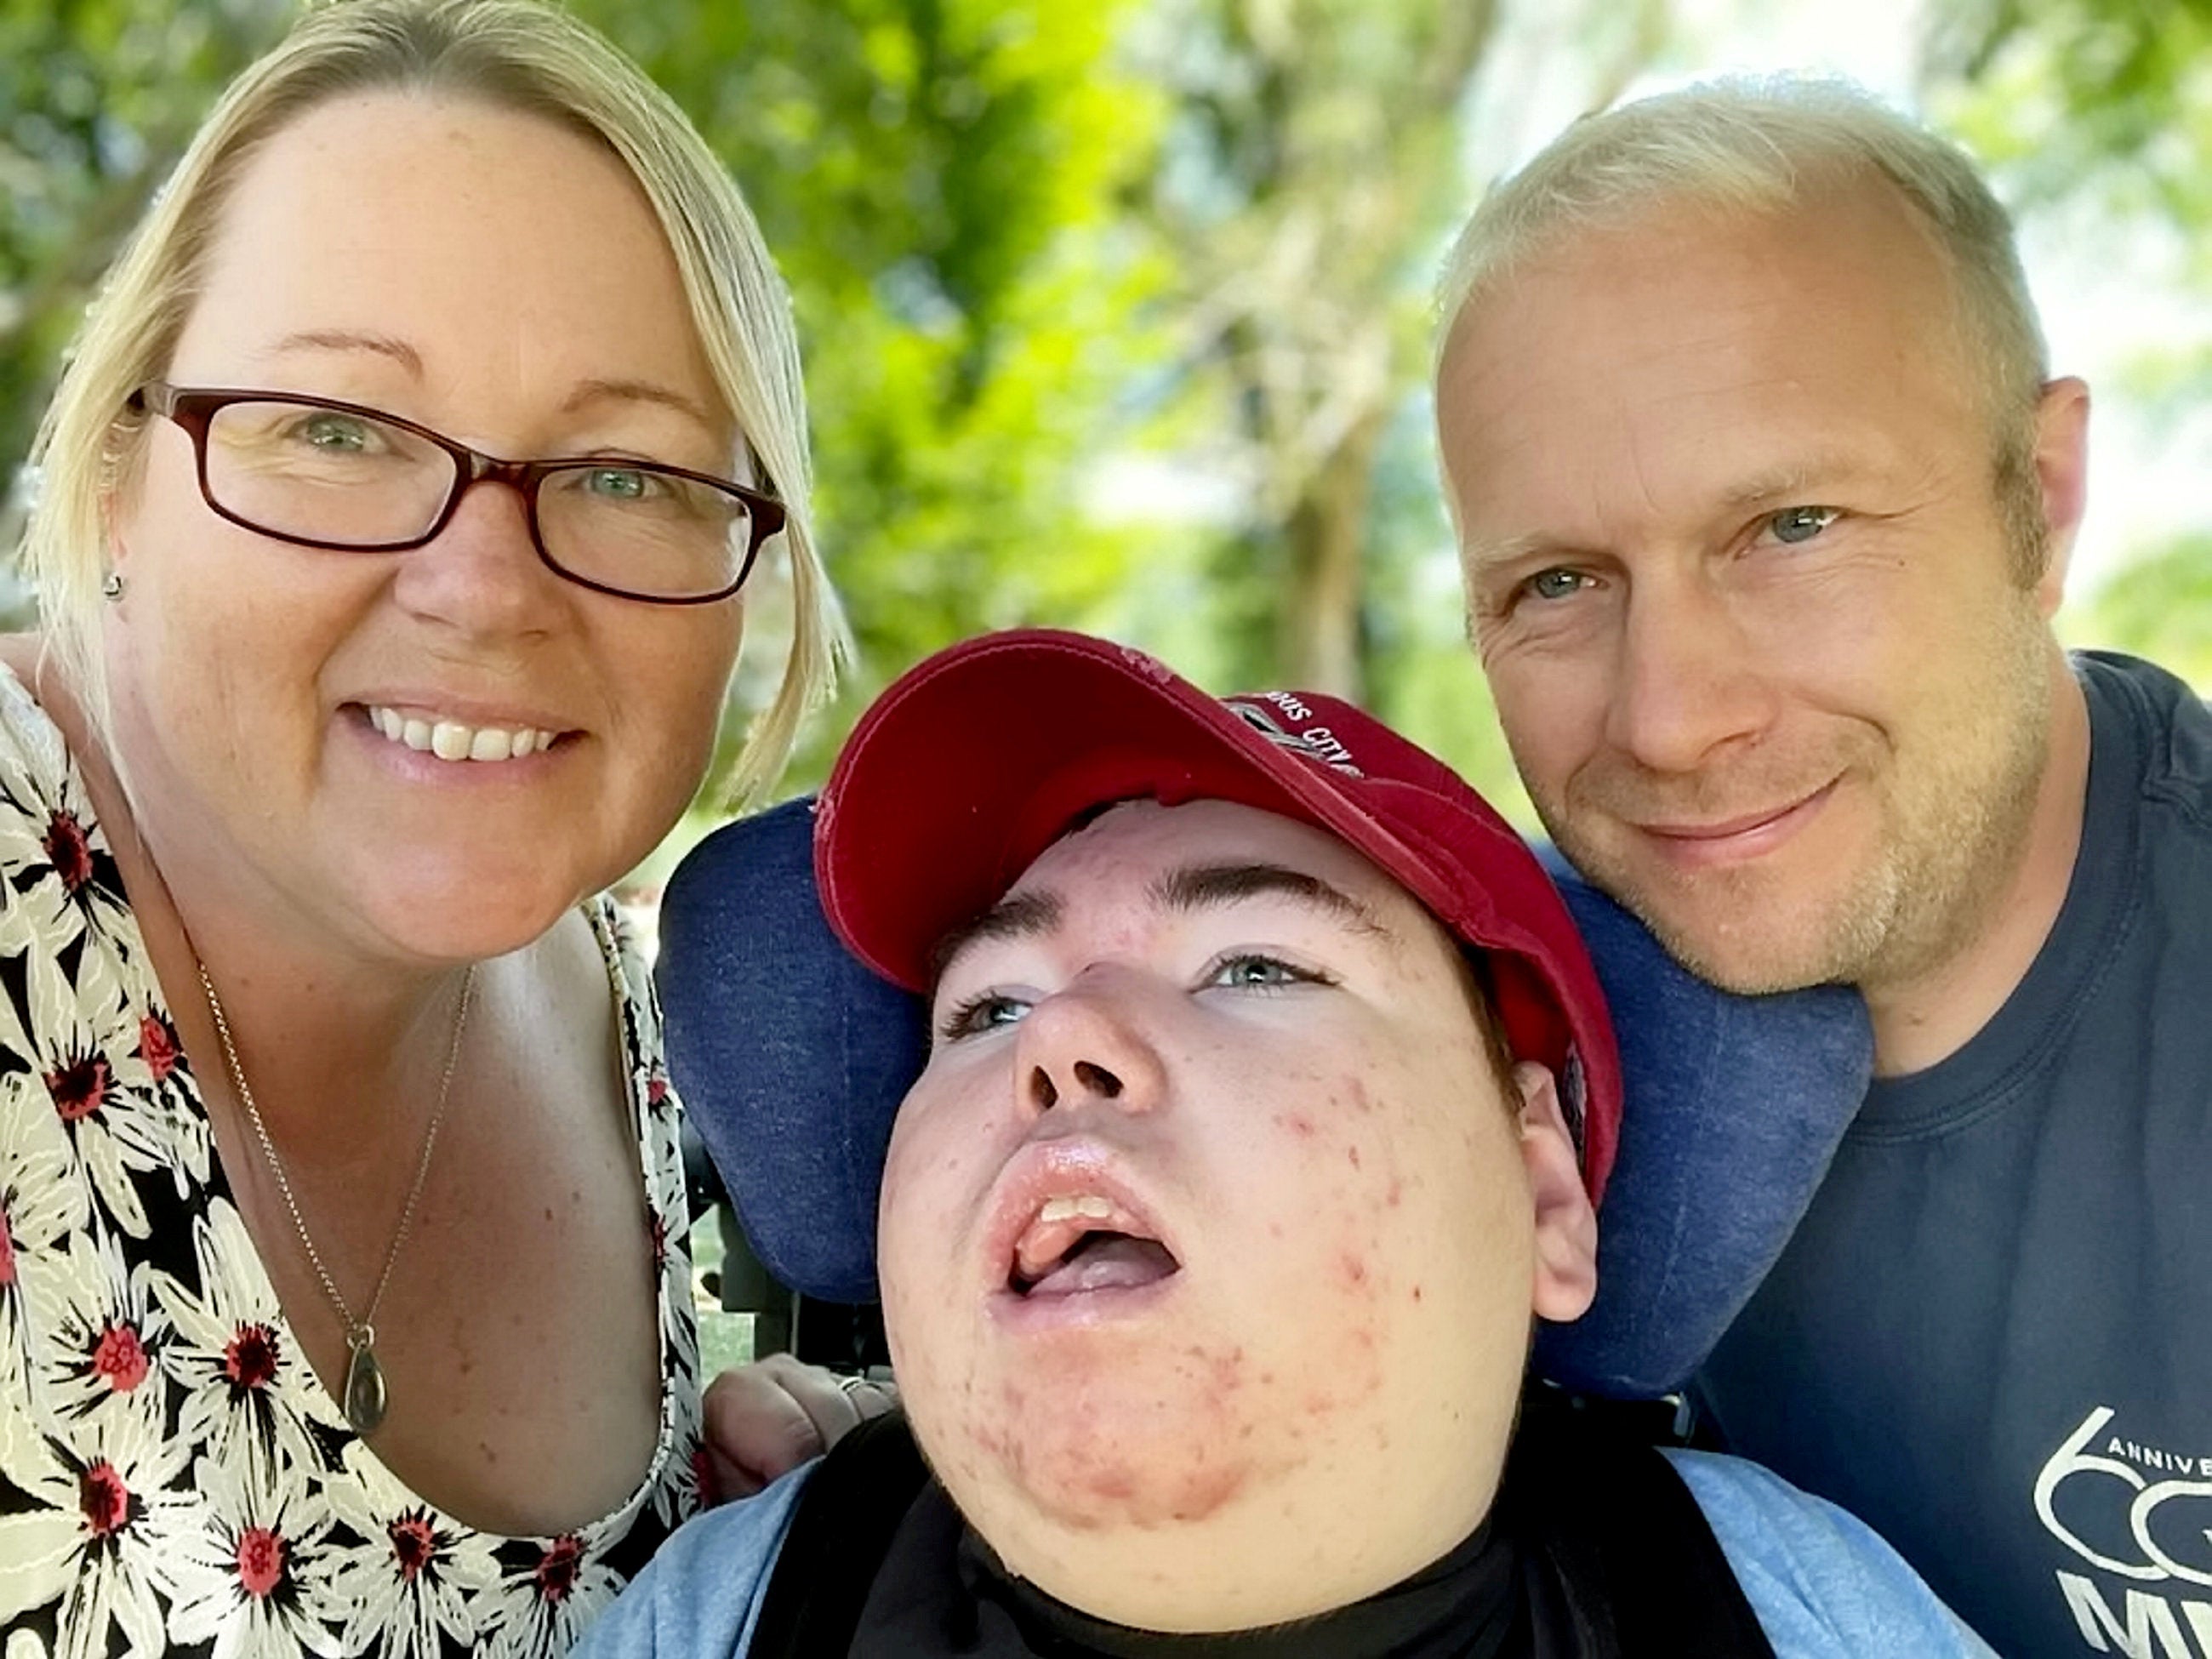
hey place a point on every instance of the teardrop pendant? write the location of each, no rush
(366, 1397)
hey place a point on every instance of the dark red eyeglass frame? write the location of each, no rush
(195, 407)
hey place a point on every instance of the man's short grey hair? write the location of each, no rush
(1763, 146)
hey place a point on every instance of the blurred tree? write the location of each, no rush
(942, 182)
(2160, 603)
(2098, 112)
(2057, 93)
(96, 99)
(1310, 167)
(1313, 170)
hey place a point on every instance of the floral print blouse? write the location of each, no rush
(173, 1478)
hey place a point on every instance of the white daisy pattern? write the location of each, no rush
(40, 1210)
(87, 1541)
(414, 1582)
(248, 1566)
(546, 1597)
(105, 1343)
(248, 1395)
(173, 1477)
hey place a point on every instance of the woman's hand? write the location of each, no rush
(764, 1419)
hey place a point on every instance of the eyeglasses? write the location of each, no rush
(319, 473)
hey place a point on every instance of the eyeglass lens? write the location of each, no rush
(337, 477)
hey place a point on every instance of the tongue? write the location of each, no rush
(1114, 1262)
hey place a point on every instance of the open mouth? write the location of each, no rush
(1080, 1242)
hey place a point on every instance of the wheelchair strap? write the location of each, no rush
(840, 1534)
(1635, 1559)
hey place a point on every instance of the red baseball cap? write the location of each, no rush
(976, 760)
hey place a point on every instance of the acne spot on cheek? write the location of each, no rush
(1109, 1488)
(1417, 1293)
(1113, 1485)
(1351, 1156)
(1351, 1268)
(1391, 1197)
(1208, 1491)
(1172, 1442)
(994, 1444)
(1296, 1123)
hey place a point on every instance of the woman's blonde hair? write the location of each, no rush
(515, 54)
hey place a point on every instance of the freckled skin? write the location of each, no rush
(1280, 1411)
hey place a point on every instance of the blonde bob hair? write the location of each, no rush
(514, 54)
(1759, 146)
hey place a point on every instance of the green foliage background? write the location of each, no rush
(2100, 112)
(1115, 314)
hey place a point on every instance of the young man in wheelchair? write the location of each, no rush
(1269, 1096)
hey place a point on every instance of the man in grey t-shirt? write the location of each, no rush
(1765, 497)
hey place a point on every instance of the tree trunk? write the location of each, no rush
(1327, 530)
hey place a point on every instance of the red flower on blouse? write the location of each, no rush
(249, 1358)
(414, 1543)
(68, 850)
(104, 1500)
(120, 1358)
(557, 1567)
(157, 1046)
(260, 1561)
(79, 1087)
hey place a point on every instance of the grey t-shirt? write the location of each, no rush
(1991, 1336)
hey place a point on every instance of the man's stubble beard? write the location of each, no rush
(1951, 841)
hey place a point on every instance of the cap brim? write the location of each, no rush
(967, 769)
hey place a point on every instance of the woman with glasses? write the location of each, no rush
(395, 515)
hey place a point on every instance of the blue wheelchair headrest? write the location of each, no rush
(791, 1059)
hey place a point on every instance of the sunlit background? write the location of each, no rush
(1116, 314)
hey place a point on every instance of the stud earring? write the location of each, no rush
(111, 586)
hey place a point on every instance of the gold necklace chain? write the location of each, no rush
(367, 1398)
